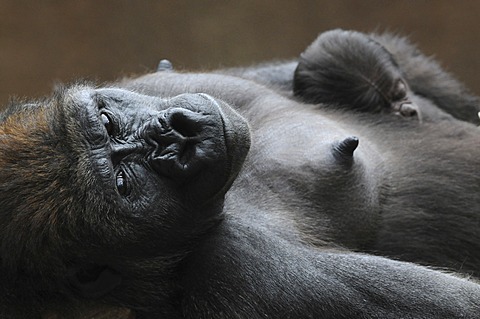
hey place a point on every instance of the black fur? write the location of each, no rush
(132, 196)
(352, 70)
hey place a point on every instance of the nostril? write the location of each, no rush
(187, 126)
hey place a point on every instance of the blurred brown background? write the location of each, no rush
(45, 42)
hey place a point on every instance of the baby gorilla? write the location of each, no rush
(350, 69)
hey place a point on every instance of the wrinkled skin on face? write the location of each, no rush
(191, 140)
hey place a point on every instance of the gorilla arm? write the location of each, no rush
(249, 270)
(276, 75)
(88, 311)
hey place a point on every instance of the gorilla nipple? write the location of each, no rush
(164, 65)
(343, 150)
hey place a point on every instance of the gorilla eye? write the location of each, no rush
(108, 123)
(121, 184)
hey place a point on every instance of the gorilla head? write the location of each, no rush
(352, 70)
(100, 176)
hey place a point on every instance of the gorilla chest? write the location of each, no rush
(298, 164)
(305, 144)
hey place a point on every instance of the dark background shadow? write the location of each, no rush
(44, 42)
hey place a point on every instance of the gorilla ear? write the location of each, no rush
(94, 281)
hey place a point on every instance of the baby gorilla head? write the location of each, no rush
(349, 69)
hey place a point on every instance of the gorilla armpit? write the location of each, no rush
(134, 195)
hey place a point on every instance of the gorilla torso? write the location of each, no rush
(400, 197)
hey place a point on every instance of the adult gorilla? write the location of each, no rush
(133, 195)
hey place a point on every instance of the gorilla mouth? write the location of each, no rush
(182, 142)
(202, 142)
(236, 132)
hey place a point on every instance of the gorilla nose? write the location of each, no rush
(187, 124)
(183, 141)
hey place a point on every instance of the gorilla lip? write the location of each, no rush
(236, 152)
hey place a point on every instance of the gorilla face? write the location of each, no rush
(166, 163)
(115, 172)
(189, 147)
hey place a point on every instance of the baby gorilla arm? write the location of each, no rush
(426, 78)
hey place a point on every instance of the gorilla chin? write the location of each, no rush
(191, 142)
